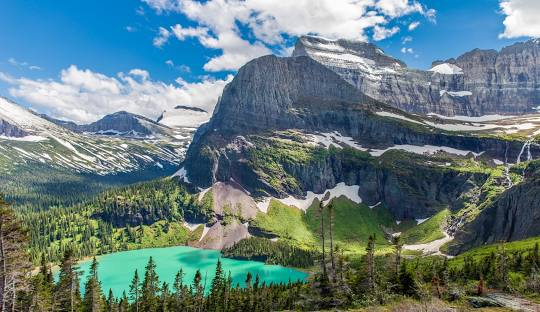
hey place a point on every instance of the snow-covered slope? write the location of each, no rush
(39, 141)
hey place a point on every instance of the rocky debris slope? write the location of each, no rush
(476, 83)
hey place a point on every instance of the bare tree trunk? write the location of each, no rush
(4, 268)
(321, 207)
(330, 211)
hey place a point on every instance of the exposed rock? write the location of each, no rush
(221, 236)
(515, 215)
(499, 82)
(231, 199)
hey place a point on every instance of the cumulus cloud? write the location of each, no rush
(521, 18)
(84, 96)
(162, 37)
(412, 26)
(381, 33)
(242, 30)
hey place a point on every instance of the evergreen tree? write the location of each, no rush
(135, 291)
(150, 287)
(67, 293)
(14, 262)
(92, 290)
(407, 282)
(217, 289)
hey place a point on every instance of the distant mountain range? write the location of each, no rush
(479, 82)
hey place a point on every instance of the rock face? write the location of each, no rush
(513, 216)
(271, 93)
(119, 123)
(476, 83)
(7, 129)
(122, 123)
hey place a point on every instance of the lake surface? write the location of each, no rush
(116, 270)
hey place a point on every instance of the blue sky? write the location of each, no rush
(60, 54)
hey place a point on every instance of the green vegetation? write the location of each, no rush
(262, 249)
(143, 215)
(286, 222)
(427, 231)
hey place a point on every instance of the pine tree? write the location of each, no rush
(150, 287)
(330, 215)
(370, 249)
(217, 288)
(14, 262)
(198, 292)
(67, 294)
(396, 241)
(92, 290)
(135, 291)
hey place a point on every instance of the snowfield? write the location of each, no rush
(341, 189)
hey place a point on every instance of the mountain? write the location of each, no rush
(120, 123)
(37, 152)
(291, 129)
(477, 83)
(184, 116)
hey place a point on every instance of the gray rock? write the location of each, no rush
(505, 82)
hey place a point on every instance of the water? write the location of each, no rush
(116, 270)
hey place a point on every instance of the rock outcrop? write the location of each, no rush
(476, 83)
(515, 215)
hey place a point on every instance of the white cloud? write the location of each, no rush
(242, 30)
(381, 33)
(85, 96)
(521, 18)
(406, 39)
(413, 25)
(405, 50)
(162, 37)
(23, 64)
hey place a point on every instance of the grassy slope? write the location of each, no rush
(482, 251)
(353, 223)
(427, 231)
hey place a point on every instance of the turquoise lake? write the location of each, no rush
(116, 269)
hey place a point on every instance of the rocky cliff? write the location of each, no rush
(271, 95)
(476, 83)
(515, 215)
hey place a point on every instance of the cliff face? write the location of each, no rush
(513, 216)
(7, 129)
(476, 83)
(275, 94)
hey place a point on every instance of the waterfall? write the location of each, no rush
(526, 146)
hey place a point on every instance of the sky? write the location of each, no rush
(81, 60)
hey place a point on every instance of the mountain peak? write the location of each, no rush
(344, 52)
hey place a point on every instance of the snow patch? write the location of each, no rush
(192, 226)
(425, 149)
(341, 189)
(483, 118)
(420, 221)
(455, 93)
(181, 174)
(392, 115)
(373, 206)
(431, 248)
(28, 138)
(447, 69)
(202, 193)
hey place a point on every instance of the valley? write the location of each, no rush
(359, 180)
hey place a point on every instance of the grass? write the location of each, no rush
(428, 231)
(287, 222)
(353, 223)
(482, 251)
